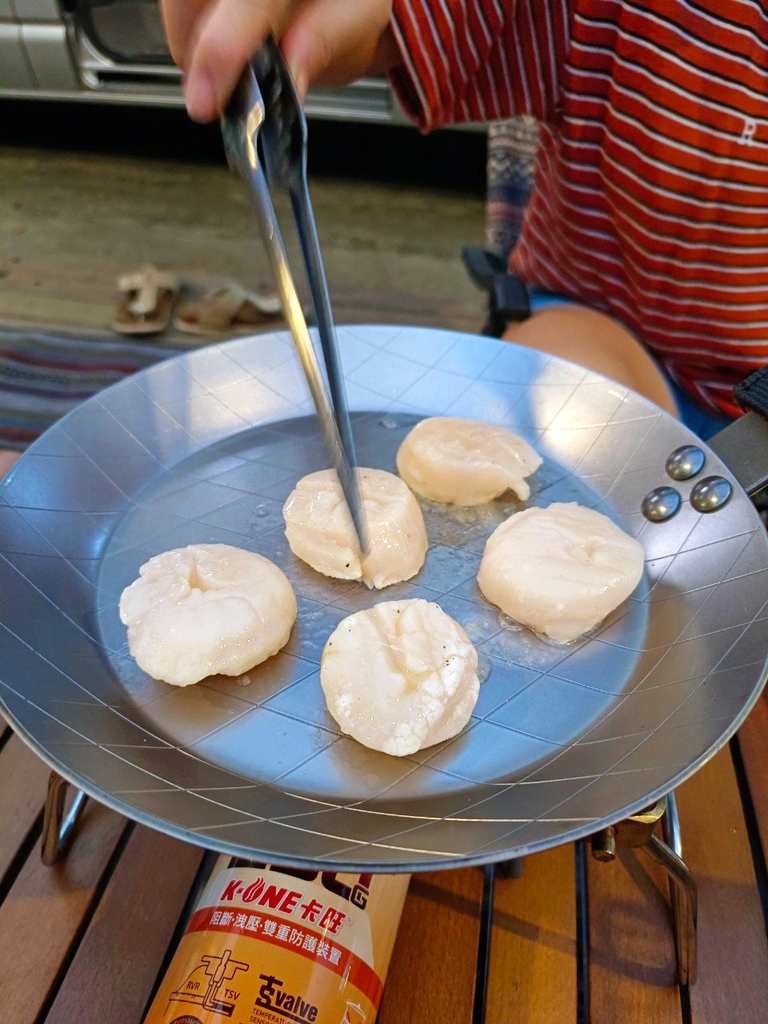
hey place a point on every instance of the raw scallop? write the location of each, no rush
(206, 609)
(464, 462)
(400, 676)
(560, 570)
(319, 528)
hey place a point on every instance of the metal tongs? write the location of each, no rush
(265, 136)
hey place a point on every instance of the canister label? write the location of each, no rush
(265, 946)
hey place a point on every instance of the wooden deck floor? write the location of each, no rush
(72, 222)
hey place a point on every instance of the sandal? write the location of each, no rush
(225, 308)
(149, 296)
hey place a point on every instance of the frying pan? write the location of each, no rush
(564, 740)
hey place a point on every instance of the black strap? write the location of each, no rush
(482, 265)
(753, 392)
(507, 295)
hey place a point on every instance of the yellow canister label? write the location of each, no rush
(264, 946)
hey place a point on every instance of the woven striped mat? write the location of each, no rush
(43, 376)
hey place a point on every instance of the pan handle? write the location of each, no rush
(743, 444)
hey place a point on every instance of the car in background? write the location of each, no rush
(114, 51)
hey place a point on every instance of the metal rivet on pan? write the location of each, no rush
(661, 504)
(711, 493)
(685, 462)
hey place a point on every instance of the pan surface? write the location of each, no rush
(206, 447)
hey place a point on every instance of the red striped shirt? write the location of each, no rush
(651, 197)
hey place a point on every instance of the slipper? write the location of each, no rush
(149, 296)
(225, 308)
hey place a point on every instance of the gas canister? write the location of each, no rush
(275, 945)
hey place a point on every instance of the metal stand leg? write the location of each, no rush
(684, 895)
(670, 825)
(638, 832)
(511, 868)
(58, 828)
(484, 946)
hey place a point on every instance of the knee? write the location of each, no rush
(576, 329)
(598, 342)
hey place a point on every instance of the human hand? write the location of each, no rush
(333, 41)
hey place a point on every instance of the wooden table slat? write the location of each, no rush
(22, 796)
(632, 974)
(733, 952)
(44, 910)
(432, 974)
(533, 956)
(143, 900)
(753, 743)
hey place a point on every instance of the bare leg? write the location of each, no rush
(598, 342)
(7, 459)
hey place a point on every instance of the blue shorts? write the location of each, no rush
(699, 420)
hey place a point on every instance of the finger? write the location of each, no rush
(225, 37)
(179, 17)
(334, 42)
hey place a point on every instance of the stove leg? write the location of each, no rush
(670, 824)
(511, 868)
(484, 946)
(684, 898)
(58, 827)
(637, 831)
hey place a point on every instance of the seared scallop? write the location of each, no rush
(319, 528)
(559, 570)
(400, 676)
(464, 462)
(206, 609)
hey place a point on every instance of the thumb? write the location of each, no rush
(226, 35)
(333, 42)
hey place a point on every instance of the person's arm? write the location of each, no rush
(334, 41)
(450, 61)
(478, 60)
